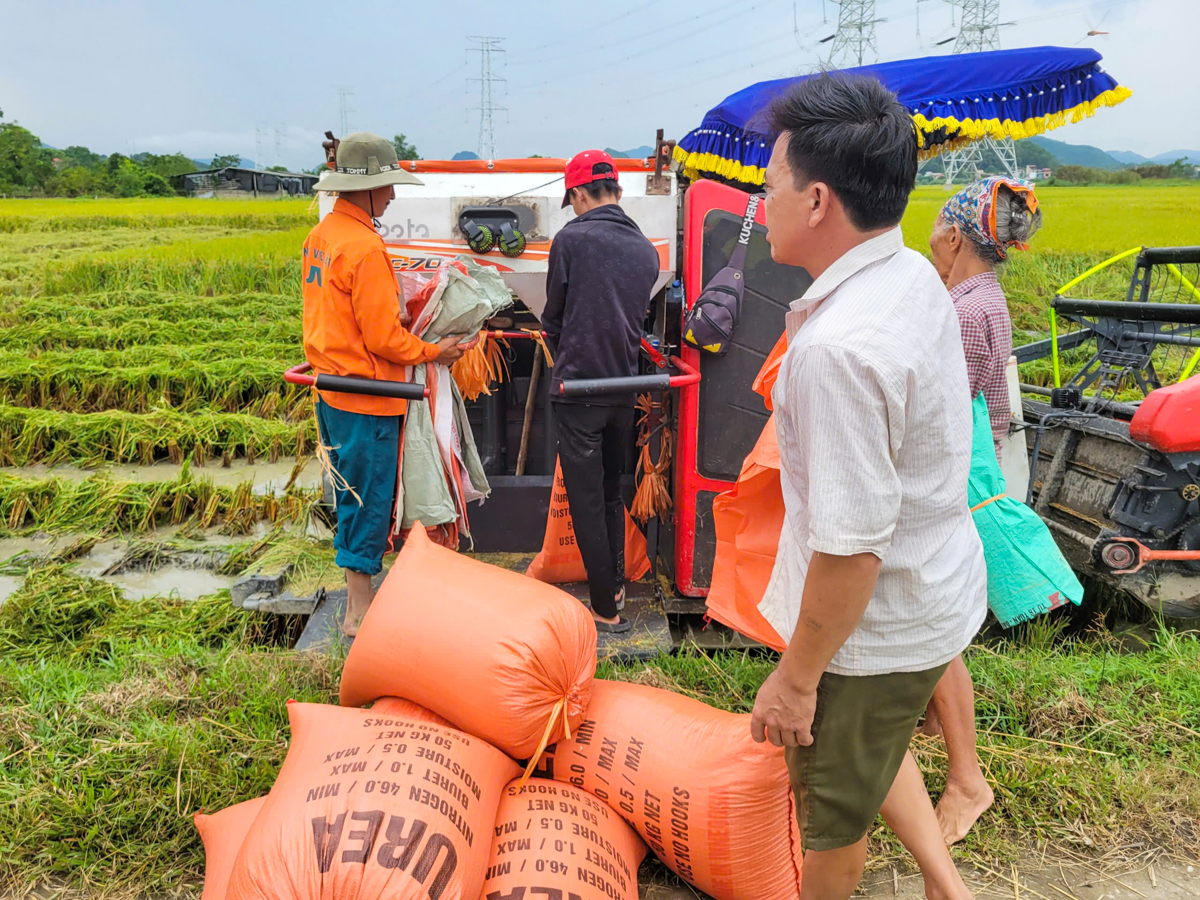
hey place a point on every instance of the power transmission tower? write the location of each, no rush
(854, 42)
(488, 107)
(979, 31)
(345, 95)
(258, 155)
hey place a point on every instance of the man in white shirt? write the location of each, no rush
(879, 581)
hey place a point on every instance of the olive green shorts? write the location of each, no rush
(861, 730)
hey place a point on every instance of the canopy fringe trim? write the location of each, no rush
(958, 133)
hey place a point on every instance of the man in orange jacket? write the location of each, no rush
(354, 325)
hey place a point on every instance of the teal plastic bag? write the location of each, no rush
(1026, 572)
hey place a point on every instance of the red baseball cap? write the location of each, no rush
(586, 167)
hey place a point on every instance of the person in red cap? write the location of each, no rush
(601, 272)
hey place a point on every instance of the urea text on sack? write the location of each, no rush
(396, 852)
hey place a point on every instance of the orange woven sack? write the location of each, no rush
(501, 656)
(222, 834)
(713, 805)
(748, 519)
(370, 806)
(552, 841)
(396, 706)
(559, 561)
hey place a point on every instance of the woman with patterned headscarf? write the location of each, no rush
(973, 235)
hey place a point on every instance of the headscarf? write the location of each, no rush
(973, 209)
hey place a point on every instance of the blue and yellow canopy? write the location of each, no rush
(954, 100)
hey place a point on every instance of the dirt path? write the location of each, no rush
(1165, 879)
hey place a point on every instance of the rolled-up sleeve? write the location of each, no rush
(848, 420)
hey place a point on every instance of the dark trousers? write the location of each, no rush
(592, 443)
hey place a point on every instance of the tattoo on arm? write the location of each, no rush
(811, 624)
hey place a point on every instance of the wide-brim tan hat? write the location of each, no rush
(365, 161)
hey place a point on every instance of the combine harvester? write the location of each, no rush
(1115, 454)
(690, 200)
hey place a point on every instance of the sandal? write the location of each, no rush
(621, 626)
(621, 600)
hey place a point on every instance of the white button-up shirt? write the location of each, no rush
(874, 422)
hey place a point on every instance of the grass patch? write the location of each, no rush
(1084, 744)
(268, 220)
(311, 563)
(102, 505)
(51, 334)
(119, 719)
(263, 274)
(1086, 219)
(125, 307)
(155, 206)
(31, 436)
(242, 378)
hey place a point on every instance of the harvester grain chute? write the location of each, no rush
(689, 200)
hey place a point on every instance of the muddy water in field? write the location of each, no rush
(266, 477)
(166, 581)
(170, 578)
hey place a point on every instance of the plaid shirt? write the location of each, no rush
(987, 339)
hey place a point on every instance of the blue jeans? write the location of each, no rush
(364, 450)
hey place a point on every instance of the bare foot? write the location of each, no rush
(352, 623)
(960, 808)
(359, 595)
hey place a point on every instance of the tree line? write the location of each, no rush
(29, 169)
(1181, 168)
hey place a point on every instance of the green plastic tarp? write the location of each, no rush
(1026, 573)
(464, 302)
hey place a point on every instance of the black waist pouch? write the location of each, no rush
(710, 323)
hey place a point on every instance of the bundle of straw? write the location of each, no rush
(479, 367)
(652, 497)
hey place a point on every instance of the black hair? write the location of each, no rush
(855, 136)
(604, 188)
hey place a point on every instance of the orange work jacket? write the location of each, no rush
(352, 310)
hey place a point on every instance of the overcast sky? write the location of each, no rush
(132, 75)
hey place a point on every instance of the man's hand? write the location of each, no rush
(450, 350)
(836, 592)
(783, 711)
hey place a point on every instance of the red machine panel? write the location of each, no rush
(720, 418)
(1169, 418)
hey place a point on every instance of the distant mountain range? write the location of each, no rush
(1130, 158)
(1087, 155)
(1077, 154)
(636, 153)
